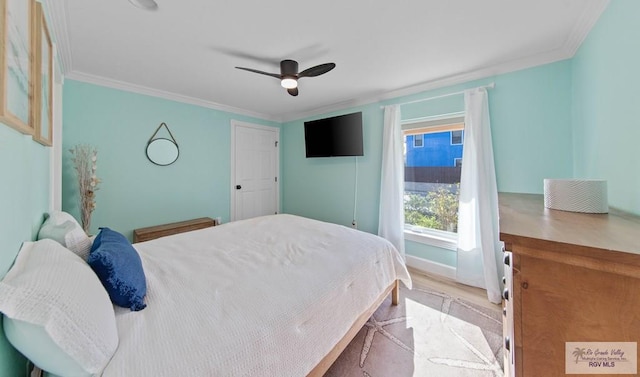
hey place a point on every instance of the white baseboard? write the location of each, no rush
(431, 267)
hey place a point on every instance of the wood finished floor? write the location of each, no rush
(475, 295)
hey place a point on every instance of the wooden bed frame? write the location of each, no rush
(331, 357)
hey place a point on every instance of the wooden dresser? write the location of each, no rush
(153, 232)
(575, 278)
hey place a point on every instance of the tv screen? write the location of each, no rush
(334, 137)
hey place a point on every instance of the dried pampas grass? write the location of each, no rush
(85, 163)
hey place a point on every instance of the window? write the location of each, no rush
(432, 180)
(456, 137)
(418, 141)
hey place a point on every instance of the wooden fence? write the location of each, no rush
(432, 174)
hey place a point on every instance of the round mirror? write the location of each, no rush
(162, 151)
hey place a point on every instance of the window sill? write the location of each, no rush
(443, 240)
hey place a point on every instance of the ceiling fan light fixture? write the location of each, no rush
(145, 4)
(289, 74)
(289, 83)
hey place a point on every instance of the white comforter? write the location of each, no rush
(268, 296)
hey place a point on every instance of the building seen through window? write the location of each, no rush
(432, 176)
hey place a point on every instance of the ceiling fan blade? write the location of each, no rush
(317, 70)
(260, 72)
(260, 59)
(293, 91)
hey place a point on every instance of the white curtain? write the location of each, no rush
(478, 228)
(391, 218)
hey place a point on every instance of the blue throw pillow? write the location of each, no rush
(119, 268)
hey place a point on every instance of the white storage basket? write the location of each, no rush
(576, 195)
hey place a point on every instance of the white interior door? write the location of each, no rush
(255, 168)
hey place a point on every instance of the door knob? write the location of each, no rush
(238, 187)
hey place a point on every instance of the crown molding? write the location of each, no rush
(129, 87)
(482, 73)
(57, 12)
(587, 20)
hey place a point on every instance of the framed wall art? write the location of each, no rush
(42, 75)
(17, 19)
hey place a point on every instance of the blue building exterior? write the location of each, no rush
(434, 149)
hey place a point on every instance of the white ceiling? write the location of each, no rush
(186, 50)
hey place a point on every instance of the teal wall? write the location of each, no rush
(531, 130)
(570, 118)
(134, 192)
(323, 188)
(431, 253)
(605, 95)
(24, 198)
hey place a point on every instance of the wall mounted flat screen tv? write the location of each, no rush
(335, 136)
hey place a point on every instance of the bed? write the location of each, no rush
(277, 295)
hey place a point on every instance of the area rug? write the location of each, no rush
(428, 334)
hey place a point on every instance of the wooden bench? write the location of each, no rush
(153, 232)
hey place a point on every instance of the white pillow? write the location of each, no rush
(50, 291)
(34, 339)
(63, 228)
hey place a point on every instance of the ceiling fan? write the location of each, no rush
(289, 74)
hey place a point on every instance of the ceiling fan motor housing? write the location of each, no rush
(289, 68)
